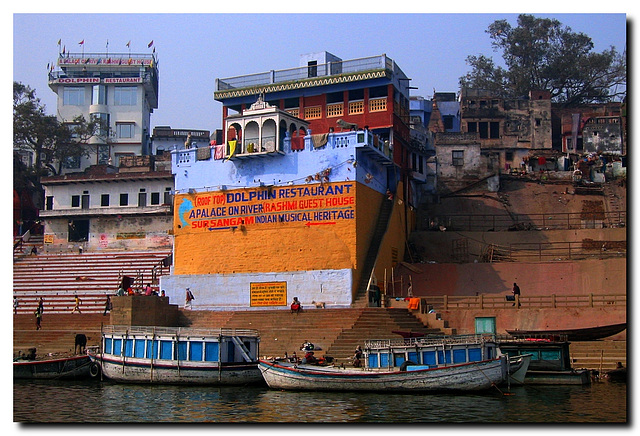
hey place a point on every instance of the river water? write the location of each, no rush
(97, 402)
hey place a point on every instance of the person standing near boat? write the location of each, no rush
(188, 299)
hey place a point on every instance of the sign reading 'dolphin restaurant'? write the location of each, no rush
(314, 204)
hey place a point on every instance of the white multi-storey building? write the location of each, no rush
(121, 89)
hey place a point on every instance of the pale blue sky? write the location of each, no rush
(195, 49)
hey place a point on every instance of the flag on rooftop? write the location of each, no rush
(150, 44)
(81, 42)
(129, 43)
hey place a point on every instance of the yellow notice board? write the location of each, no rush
(268, 294)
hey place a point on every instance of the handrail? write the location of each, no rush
(552, 301)
(540, 221)
(178, 331)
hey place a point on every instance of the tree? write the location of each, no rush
(50, 142)
(542, 54)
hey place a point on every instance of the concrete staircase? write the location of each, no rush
(336, 331)
(376, 323)
(22, 249)
(58, 277)
(599, 355)
(58, 332)
(362, 299)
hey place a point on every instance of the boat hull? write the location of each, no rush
(473, 376)
(583, 334)
(134, 370)
(568, 377)
(518, 367)
(77, 367)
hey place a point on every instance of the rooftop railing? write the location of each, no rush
(306, 72)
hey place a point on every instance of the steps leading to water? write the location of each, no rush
(601, 355)
(58, 277)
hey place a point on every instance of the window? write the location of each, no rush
(335, 97)
(290, 103)
(75, 201)
(104, 200)
(335, 110)
(378, 91)
(125, 96)
(103, 119)
(457, 158)
(73, 96)
(155, 198)
(167, 195)
(99, 94)
(448, 122)
(494, 129)
(508, 156)
(124, 199)
(104, 154)
(356, 107)
(85, 199)
(72, 162)
(49, 202)
(485, 325)
(142, 198)
(313, 113)
(472, 127)
(356, 94)
(125, 130)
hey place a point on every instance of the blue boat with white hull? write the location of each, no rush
(164, 355)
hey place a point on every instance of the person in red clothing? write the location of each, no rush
(295, 305)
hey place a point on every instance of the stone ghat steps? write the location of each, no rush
(57, 277)
(58, 332)
(601, 355)
(336, 331)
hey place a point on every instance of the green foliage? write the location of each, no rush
(50, 141)
(542, 54)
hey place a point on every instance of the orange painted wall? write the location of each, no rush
(239, 243)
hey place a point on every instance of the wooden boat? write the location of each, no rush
(166, 355)
(73, 367)
(437, 350)
(415, 364)
(550, 361)
(581, 334)
(518, 367)
(617, 375)
(473, 376)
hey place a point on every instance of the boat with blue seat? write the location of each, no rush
(176, 355)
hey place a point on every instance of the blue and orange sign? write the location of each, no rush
(321, 204)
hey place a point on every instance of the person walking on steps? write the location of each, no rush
(188, 299)
(38, 319)
(516, 293)
(77, 302)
